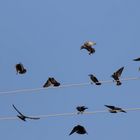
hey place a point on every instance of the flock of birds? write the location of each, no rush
(88, 45)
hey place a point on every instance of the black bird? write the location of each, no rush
(81, 109)
(79, 130)
(23, 117)
(137, 59)
(113, 109)
(116, 76)
(88, 46)
(94, 79)
(51, 82)
(20, 68)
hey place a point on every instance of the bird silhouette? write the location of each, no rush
(88, 46)
(51, 82)
(79, 130)
(23, 117)
(114, 109)
(136, 59)
(81, 109)
(116, 76)
(94, 79)
(20, 68)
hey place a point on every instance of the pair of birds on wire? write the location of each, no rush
(116, 75)
(112, 109)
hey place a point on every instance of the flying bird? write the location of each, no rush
(113, 109)
(116, 76)
(20, 68)
(94, 79)
(81, 109)
(23, 117)
(137, 59)
(88, 46)
(51, 82)
(79, 130)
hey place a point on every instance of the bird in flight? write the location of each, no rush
(79, 130)
(81, 109)
(23, 117)
(94, 79)
(51, 82)
(20, 68)
(114, 109)
(116, 76)
(88, 46)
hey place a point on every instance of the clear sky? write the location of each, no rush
(46, 35)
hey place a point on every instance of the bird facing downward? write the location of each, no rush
(88, 46)
(79, 130)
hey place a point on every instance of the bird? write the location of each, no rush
(88, 46)
(20, 68)
(94, 79)
(79, 130)
(81, 109)
(51, 82)
(116, 76)
(23, 117)
(114, 109)
(136, 59)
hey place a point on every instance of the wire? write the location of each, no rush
(62, 86)
(68, 114)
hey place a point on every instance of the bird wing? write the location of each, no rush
(73, 130)
(110, 106)
(119, 72)
(18, 111)
(35, 118)
(47, 84)
(137, 59)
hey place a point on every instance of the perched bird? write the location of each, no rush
(94, 79)
(137, 59)
(20, 68)
(51, 82)
(79, 130)
(116, 76)
(23, 117)
(113, 109)
(81, 109)
(88, 46)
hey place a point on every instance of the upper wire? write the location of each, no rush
(18, 91)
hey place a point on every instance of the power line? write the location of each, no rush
(67, 114)
(62, 86)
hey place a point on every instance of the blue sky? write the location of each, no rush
(46, 35)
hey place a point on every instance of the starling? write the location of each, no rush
(94, 79)
(81, 109)
(23, 117)
(88, 46)
(113, 109)
(137, 59)
(79, 130)
(51, 81)
(116, 76)
(20, 68)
